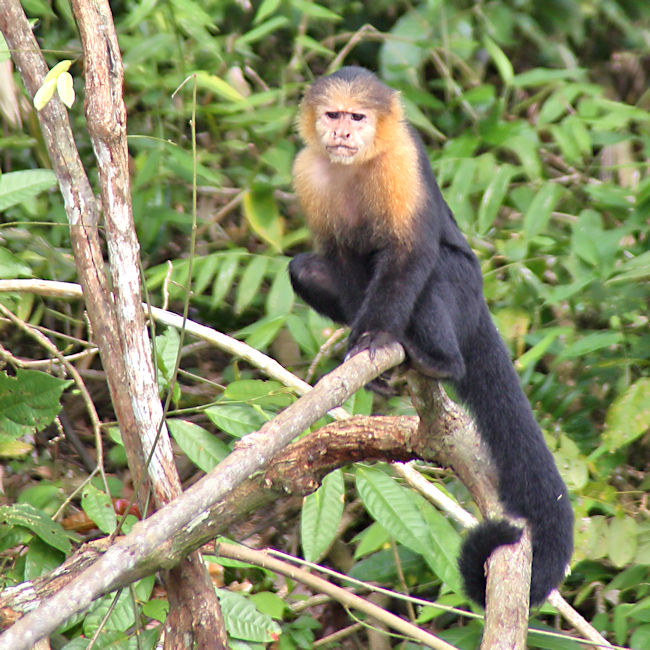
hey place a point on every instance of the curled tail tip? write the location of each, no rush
(477, 548)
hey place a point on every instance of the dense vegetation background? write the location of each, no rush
(536, 120)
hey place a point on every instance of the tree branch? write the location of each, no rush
(443, 438)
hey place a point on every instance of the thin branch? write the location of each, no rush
(343, 596)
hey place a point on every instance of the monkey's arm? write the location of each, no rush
(389, 300)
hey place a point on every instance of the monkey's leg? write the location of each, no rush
(431, 342)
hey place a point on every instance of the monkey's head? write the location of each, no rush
(345, 115)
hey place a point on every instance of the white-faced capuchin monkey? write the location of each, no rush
(392, 263)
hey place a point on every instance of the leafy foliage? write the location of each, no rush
(536, 120)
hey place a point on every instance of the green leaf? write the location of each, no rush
(315, 10)
(266, 8)
(261, 392)
(501, 61)
(628, 418)
(29, 401)
(393, 507)
(541, 76)
(41, 558)
(540, 208)
(443, 546)
(99, 508)
(623, 539)
(250, 282)
(223, 282)
(590, 343)
(244, 621)
(11, 266)
(280, 298)
(200, 446)
(25, 515)
(219, 86)
(493, 197)
(236, 419)
(17, 187)
(167, 345)
(321, 515)
(262, 30)
(261, 211)
(259, 335)
(461, 188)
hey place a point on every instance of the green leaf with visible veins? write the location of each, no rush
(29, 401)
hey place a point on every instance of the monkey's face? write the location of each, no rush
(346, 135)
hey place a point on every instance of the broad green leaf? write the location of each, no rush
(224, 281)
(526, 148)
(462, 186)
(121, 618)
(321, 515)
(262, 30)
(236, 419)
(12, 266)
(261, 211)
(623, 540)
(628, 417)
(167, 345)
(259, 335)
(443, 545)
(308, 43)
(266, 8)
(41, 558)
(250, 282)
(302, 335)
(493, 197)
(370, 540)
(16, 187)
(541, 76)
(200, 446)
(99, 508)
(393, 507)
(540, 208)
(636, 268)
(280, 298)
(566, 142)
(25, 515)
(218, 86)
(590, 343)
(270, 603)
(244, 621)
(29, 401)
(205, 269)
(314, 10)
(258, 391)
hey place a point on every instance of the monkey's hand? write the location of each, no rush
(370, 341)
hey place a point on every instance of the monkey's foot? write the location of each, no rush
(371, 341)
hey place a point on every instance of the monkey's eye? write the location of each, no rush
(358, 117)
(333, 115)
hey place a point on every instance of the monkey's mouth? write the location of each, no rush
(342, 150)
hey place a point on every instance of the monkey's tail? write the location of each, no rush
(530, 485)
